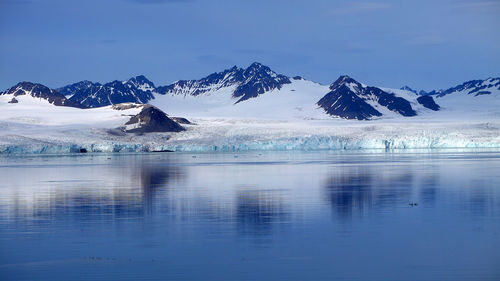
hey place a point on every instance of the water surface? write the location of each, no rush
(251, 216)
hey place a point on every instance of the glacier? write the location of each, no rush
(259, 135)
(280, 121)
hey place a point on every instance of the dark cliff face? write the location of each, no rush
(391, 101)
(152, 119)
(350, 99)
(137, 90)
(248, 83)
(344, 103)
(258, 79)
(40, 91)
(428, 102)
(74, 88)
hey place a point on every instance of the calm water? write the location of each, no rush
(251, 216)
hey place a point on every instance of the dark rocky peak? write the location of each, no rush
(70, 90)
(210, 83)
(248, 83)
(118, 86)
(350, 99)
(344, 103)
(258, 79)
(256, 68)
(346, 81)
(142, 83)
(152, 119)
(137, 89)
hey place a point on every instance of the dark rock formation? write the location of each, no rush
(428, 102)
(181, 120)
(350, 99)
(151, 119)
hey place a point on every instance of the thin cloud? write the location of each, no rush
(360, 7)
(107, 41)
(149, 2)
(427, 40)
(17, 2)
(214, 60)
(478, 4)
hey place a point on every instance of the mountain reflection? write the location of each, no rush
(128, 193)
(429, 190)
(258, 210)
(161, 188)
(154, 179)
(357, 190)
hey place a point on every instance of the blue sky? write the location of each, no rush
(425, 44)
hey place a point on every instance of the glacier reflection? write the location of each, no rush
(254, 216)
(251, 192)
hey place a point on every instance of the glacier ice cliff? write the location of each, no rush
(233, 136)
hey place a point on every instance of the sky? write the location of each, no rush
(426, 44)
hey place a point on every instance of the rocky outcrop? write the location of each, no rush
(151, 119)
(428, 102)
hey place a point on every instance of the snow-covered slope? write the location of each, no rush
(294, 100)
(274, 96)
(32, 111)
(38, 92)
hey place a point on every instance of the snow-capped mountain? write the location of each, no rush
(477, 97)
(475, 88)
(89, 94)
(259, 92)
(294, 100)
(350, 99)
(37, 91)
(244, 84)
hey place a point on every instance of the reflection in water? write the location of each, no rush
(155, 178)
(429, 190)
(355, 190)
(153, 217)
(258, 210)
(108, 194)
(350, 192)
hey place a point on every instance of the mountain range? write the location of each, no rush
(258, 91)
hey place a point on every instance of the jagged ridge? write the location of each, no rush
(244, 83)
(89, 94)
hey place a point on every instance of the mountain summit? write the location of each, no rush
(137, 89)
(244, 83)
(40, 91)
(352, 100)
